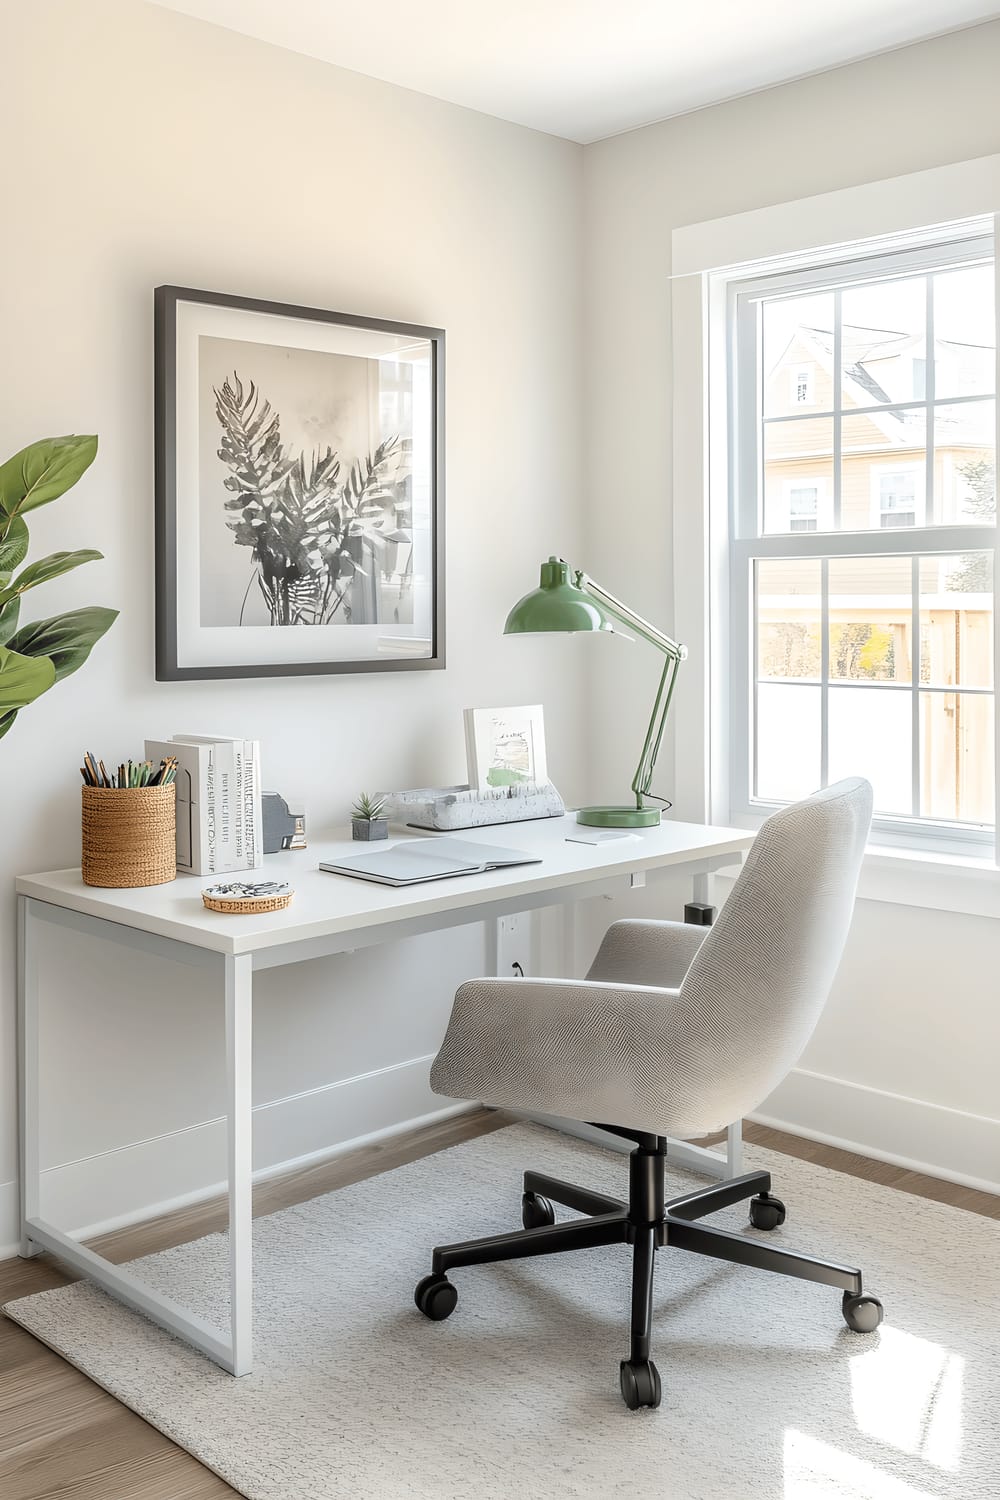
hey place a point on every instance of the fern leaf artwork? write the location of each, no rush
(323, 539)
(299, 490)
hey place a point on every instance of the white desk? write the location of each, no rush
(329, 914)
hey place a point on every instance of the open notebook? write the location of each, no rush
(416, 860)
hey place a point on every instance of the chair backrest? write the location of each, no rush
(753, 994)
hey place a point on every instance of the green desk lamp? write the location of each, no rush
(558, 604)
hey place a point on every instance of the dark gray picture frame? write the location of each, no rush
(168, 666)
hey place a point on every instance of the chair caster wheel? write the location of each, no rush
(862, 1313)
(536, 1211)
(436, 1297)
(766, 1212)
(640, 1383)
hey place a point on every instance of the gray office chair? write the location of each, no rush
(676, 1031)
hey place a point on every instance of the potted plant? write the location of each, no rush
(35, 656)
(368, 820)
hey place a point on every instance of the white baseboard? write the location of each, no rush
(152, 1177)
(929, 1138)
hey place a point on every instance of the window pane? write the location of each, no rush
(883, 343)
(798, 475)
(883, 471)
(956, 620)
(870, 735)
(964, 463)
(956, 756)
(797, 354)
(964, 338)
(788, 731)
(788, 619)
(871, 619)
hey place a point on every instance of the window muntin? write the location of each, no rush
(871, 621)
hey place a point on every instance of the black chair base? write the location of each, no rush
(648, 1223)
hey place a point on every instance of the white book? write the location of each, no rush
(253, 820)
(240, 850)
(191, 810)
(226, 803)
(225, 776)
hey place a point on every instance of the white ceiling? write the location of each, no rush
(586, 69)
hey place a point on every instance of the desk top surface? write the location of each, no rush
(325, 905)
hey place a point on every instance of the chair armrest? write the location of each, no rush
(552, 1046)
(648, 953)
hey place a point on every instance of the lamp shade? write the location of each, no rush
(557, 604)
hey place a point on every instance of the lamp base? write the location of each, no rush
(618, 817)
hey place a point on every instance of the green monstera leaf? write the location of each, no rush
(43, 471)
(48, 567)
(64, 640)
(23, 679)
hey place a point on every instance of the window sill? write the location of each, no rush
(939, 882)
(936, 882)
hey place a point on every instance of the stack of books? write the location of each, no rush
(219, 822)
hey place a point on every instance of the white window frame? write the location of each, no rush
(704, 258)
(748, 542)
(906, 466)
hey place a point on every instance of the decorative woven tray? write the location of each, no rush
(241, 902)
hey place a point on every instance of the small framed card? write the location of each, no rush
(505, 746)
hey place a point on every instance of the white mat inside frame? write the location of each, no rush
(766, 1394)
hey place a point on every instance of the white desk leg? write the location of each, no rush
(734, 1149)
(28, 1074)
(491, 946)
(701, 895)
(569, 927)
(239, 1121)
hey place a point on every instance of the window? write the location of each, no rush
(895, 495)
(803, 507)
(863, 538)
(806, 503)
(802, 385)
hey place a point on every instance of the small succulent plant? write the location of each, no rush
(367, 809)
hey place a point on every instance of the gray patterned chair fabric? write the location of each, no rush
(677, 1030)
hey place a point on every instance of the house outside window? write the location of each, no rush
(863, 538)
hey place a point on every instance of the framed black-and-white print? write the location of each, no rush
(299, 490)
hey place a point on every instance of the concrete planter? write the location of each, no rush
(369, 829)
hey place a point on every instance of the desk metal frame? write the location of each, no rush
(234, 973)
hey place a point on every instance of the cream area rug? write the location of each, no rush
(356, 1396)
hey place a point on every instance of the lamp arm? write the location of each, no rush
(643, 778)
(674, 653)
(621, 611)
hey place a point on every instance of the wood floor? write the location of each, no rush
(62, 1436)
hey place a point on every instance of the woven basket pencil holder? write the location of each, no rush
(128, 835)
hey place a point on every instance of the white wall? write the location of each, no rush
(143, 147)
(908, 1046)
